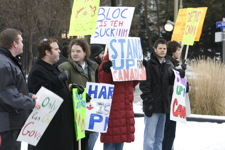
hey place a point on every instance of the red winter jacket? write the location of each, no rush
(121, 120)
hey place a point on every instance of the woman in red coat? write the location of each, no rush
(121, 120)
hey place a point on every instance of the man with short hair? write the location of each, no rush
(155, 96)
(172, 56)
(60, 133)
(15, 100)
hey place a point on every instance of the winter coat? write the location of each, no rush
(76, 73)
(15, 100)
(173, 64)
(60, 134)
(156, 85)
(121, 120)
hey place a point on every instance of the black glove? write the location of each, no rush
(183, 65)
(106, 66)
(63, 76)
(88, 98)
(79, 87)
(187, 88)
(182, 73)
(148, 106)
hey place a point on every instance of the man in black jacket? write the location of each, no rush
(155, 96)
(60, 134)
(15, 100)
(172, 56)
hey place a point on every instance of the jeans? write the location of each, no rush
(8, 140)
(154, 131)
(113, 146)
(92, 139)
(169, 133)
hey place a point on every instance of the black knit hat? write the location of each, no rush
(96, 50)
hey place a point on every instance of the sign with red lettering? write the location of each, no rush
(178, 106)
(126, 55)
(191, 27)
(112, 22)
(98, 109)
(39, 119)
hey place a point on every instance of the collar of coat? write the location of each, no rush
(174, 61)
(48, 66)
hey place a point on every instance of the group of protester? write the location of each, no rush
(85, 63)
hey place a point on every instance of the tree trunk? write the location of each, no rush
(147, 28)
(157, 9)
(30, 51)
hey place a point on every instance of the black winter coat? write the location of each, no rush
(156, 85)
(14, 97)
(60, 134)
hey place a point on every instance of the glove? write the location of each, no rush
(148, 106)
(187, 88)
(79, 87)
(183, 65)
(182, 73)
(106, 66)
(88, 98)
(63, 76)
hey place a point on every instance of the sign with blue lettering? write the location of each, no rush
(220, 24)
(126, 55)
(98, 109)
(112, 22)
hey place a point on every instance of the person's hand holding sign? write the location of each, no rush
(37, 104)
(106, 66)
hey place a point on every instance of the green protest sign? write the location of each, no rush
(193, 19)
(79, 107)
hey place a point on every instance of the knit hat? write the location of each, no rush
(96, 50)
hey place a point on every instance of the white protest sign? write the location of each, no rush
(112, 22)
(126, 55)
(98, 109)
(178, 107)
(39, 119)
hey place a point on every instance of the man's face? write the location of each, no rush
(19, 45)
(161, 50)
(176, 55)
(100, 56)
(77, 54)
(55, 52)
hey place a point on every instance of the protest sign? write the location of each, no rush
(112, 22)
(201, 21)
(39, 119)
(193, 18)
(79, 106)
(84, 17)
(126, 55)
(178, 107)
(98, 109)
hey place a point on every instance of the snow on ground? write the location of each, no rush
(193, 136)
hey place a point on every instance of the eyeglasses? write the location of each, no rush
(44, 40)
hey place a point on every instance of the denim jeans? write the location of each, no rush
(113, 146)
(92, 139)
(154, 131)
(169, 133)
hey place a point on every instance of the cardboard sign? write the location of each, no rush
(98, 109)
(126, 55)
(112, 22)
(84, 17)
(39, 119)
(79, 106)
(191, 27)
(178, 105)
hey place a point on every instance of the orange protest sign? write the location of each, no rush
(179, 27)
(200, 25)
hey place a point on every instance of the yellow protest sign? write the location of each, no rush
(179, 27)
(200, 25)
(193, 18)
(84, 17)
